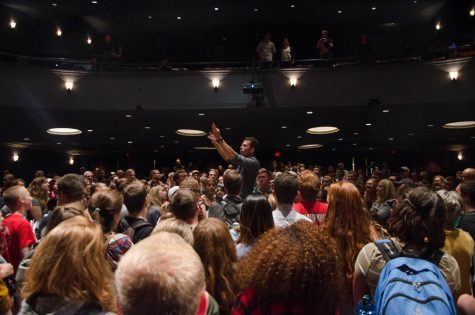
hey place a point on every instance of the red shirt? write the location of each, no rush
(314, 210)
(21, 236)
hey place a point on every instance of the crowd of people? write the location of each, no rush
(289, 239)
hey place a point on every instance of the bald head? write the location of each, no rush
(160, 275)
(468, 174)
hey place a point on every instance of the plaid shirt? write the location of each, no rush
(246, 303)
(117, 246)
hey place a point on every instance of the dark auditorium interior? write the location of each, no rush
(185, 64)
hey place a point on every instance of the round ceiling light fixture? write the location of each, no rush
(190, 132)
(460, 124)
(64, 131)
(204, 148)
(310, 146)
(323, 130)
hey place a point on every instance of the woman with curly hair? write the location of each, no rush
(69, 272)
(255, 220)
(293, 270)
(417, 223)
(214, 245)
(349, 224)
(156, 197)
(38, 189)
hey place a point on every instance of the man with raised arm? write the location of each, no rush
(245, 160)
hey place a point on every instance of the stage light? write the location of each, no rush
(12, 24)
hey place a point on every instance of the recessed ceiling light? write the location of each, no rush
(340, 139)
(178, 17)
(26, 139)
(190, 132)
(162, 136)
(472, 137)
(333, 149)
(204, 148)
(162, 146)
(128, 116)
(201, 114)
(155, 151)
(371, 148)
(90, 130)
(340, 11)
(323, 130)
(299, 137)
(385, 110)
(216, 9)
(355, 143)
(287, 145)
(228, 128)
(310, 146)
(415, 1)
(410, 134)
(112, 138)
(58, 142)
(309, 112)
(390, 139)
(54, 4)
(430, 125)
(129, 142)
(175, 141)
(373, 8)
(292, 5)
(63, 131)
(256, 9)
(94, 2)
(149, 17)
(147, 127)
(355, 133)
(284, 127)
(460, 124)
(368, 124)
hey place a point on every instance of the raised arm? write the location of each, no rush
(224, 150)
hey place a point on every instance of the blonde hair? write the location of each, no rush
(160, 275)
(37, 192)
(70, 263)
(153, 197)
(174, 225)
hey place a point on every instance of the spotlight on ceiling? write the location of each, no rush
(59, 32)
(454, 75)
(215, 84)
(323, 130)
(64, 131)
(69, 85)
(460, 125)
(293, 82)
(12, 24)
(15, 157)
(190, 132)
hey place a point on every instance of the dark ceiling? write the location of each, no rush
(149, 30)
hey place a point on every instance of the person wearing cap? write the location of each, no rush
(245, 160)
(404, 176)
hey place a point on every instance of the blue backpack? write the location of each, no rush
(411, 286)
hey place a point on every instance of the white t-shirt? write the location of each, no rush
(281, 221)
(265, 50)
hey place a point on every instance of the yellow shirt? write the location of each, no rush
(459, 244)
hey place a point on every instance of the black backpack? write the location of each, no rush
(231, 212)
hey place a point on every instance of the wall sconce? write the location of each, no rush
(216, 85)
(438, 26)
(69, 85)
(12, 24)
(15, 157)
(59, 32)
(454, 75)
(71, 160)
(460, 156)
(293, 83)
(472, 12)
(89, 40)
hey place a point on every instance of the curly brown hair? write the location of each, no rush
(217, 251)
(348, 222)
(419, 218)
(297, 265)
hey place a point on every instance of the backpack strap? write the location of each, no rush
(139, 224)
(388, 249)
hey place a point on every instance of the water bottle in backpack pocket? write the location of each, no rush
(413, 286)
